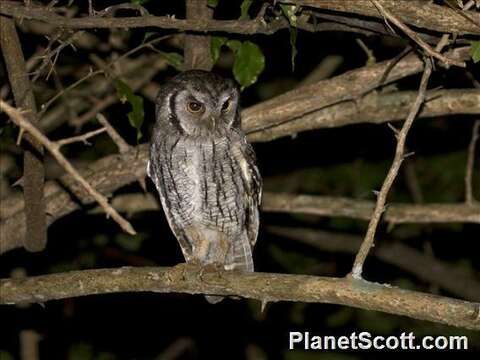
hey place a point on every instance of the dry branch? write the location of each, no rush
(421, 14)
(115, 171)
(33, 169)
(391, 175)
(349, 86)
(80, 138)
(376, 108)
(395, 213)
(469, 198)
(362, 210)
(415, 37)
(53, 148)
(261, 286)
(196, 50)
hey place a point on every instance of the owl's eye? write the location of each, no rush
(227, 105)
(194, 107)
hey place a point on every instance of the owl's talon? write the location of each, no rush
(214, 268)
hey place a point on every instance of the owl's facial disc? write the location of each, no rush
(203, 112)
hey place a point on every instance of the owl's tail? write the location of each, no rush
(239, 258)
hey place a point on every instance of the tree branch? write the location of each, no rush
(391, 175)
(196, 50)
(331, 206)
(33, 169)
(376, 108)
(21, 122)
(417, 13)
(349, 86)
(415, 37)
(469, 198)
(422, 14)
(261, 286)
(115, 171)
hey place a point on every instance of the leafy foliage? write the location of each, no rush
(290, 13)
(212, 3)
(249, 59)
(174, 59)
(136, 115)
(475, 51)
(249, 64)
(244, 9)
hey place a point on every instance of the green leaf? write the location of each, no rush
(289, 11)
(249, 62)
(212, 3)
(475, 51)
(174, 59)
(148, 35)
(234, 45)
(137, 115)
(244, 9)
(216, 45)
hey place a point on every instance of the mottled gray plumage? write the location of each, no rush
(205, 171)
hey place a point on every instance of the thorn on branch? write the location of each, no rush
(20, 121)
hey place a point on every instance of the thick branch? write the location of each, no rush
(376, 108)
(196, 50)
(33, 170)
(362, 210)
(260, 286)
(115, 171)
(35, 12)
(395, 213)
(421, 14)
(350, 86)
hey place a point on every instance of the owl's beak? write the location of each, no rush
(213, 122)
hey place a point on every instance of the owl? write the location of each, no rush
(205, 171)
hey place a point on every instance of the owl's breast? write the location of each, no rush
(207, 184)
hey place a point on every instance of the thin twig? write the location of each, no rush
(414, 36)
(53, 148)
(392, 174)
(122, 145)
(80, 138)
(469, 198)
(46, 105)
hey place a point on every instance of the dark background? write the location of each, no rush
(348, 161)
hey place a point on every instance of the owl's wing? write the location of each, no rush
(155, 173)
(253, 197)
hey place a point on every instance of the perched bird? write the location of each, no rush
(205, 171)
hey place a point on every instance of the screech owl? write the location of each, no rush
(205, 171)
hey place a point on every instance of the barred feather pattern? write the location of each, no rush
(206, 174)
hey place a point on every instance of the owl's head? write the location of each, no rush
(199, 103)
